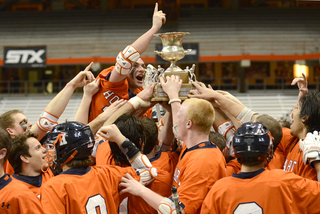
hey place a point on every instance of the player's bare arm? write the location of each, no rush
(57, 105)
(132, 53)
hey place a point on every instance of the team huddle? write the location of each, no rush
(207, 154)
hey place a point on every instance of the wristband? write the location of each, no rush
(136, 102)
(174, 100)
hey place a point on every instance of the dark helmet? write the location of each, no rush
(72, 141)
(252, 140)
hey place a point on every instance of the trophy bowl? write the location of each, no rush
(172, 50)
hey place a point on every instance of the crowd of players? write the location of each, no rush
(221, 156)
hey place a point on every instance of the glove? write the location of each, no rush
(311, 148)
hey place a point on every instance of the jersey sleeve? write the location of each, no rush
(305, 192)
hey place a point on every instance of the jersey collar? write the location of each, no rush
(248, 175)
(5, 180)
(77, 171)
(202, 145)
(32, 180)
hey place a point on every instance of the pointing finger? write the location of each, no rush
(156, 8)
(88, 67)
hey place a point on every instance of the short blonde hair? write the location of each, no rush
(201, 113)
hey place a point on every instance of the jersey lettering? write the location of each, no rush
(113, 97)
(290, 165)
(123, 208)
(248, 208)
(96, 205)
(176, 175)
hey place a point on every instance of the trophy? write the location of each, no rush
(172, 51)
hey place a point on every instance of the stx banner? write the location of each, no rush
(25, 57)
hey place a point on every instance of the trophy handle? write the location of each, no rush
(158, 52)
(187, 51)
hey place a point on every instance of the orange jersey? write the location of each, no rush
(17, 198)
(283, 149)
(108, 93)
(104, 154)
(233, 166)
(84, 190)
(34, 183)
(8, 168)
(165, 162)
(263, 191)
(199, 167)
(295, 164)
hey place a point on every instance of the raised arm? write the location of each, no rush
(302, 84)
(132, 53)
(137, 160)
(89, 90)
(172, 87)
(142, 100)
(57, 105)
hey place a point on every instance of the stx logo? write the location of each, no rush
(24, 56)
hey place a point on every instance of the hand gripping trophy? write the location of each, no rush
(172, 51)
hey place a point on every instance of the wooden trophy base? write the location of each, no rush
(159, 95)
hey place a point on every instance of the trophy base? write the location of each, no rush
(159, 95)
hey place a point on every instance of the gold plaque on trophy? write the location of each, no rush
(172, 50)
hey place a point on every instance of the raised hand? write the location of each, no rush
(112, 133)
(203, 92)
(147, 93)
(83, 77)
(171, 86)
(159, 18)
(92, 88)
(302, 83)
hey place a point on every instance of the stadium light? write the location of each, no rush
(300, 67)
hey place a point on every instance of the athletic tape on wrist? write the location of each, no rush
(136, 102)
(246, 115)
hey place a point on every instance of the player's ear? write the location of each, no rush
(24, 158)
(3, 153)
(189, 124)
(10, 131)
(304, 119)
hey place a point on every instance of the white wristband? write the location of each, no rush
(136, 102)
(174, 100)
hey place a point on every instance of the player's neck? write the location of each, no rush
(65, 168)
(151, 154)
(28, 171)
(194, 138)
(133, 90)
(1, 171)
(245, 168)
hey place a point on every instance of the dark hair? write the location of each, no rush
(6, 119)
(5, 143)
(132, 128)
(274, 127)
(151, 131)
(217, 139)
(310, 110)
(285, 123)
(20, 147)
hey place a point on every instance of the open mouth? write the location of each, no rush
(139, 78)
